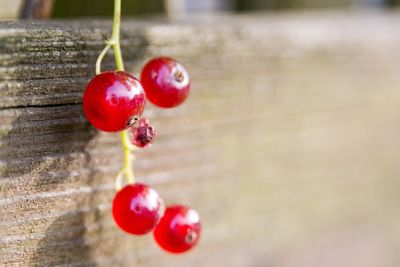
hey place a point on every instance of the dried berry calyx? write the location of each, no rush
(143, 135)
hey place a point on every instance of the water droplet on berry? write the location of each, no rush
(114, 100)
(137, 209)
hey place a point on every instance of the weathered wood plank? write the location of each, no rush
(288, 145)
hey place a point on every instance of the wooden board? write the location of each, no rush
(288, 145)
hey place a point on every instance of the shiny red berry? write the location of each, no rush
(143, 135)
(137, 209)
(112, 100)
(178, 230)
(166, 82)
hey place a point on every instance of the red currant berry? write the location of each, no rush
(166, 82)
(112, 100)
(178, 230)
(137, 209)
(143, 135)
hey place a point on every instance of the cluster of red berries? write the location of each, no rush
(113, 102)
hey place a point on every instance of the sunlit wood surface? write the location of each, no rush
(288, 145)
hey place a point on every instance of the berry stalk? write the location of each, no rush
(115, 36)
(114, 42)
(119, 63)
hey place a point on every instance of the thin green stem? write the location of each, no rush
(115, 37)
(119, 63)
(128, 157)
(127, 169)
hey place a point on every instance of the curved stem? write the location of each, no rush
(118, 181)
(100, 58)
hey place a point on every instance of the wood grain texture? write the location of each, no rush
(288, 145)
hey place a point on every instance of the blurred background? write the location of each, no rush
(84, 8)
